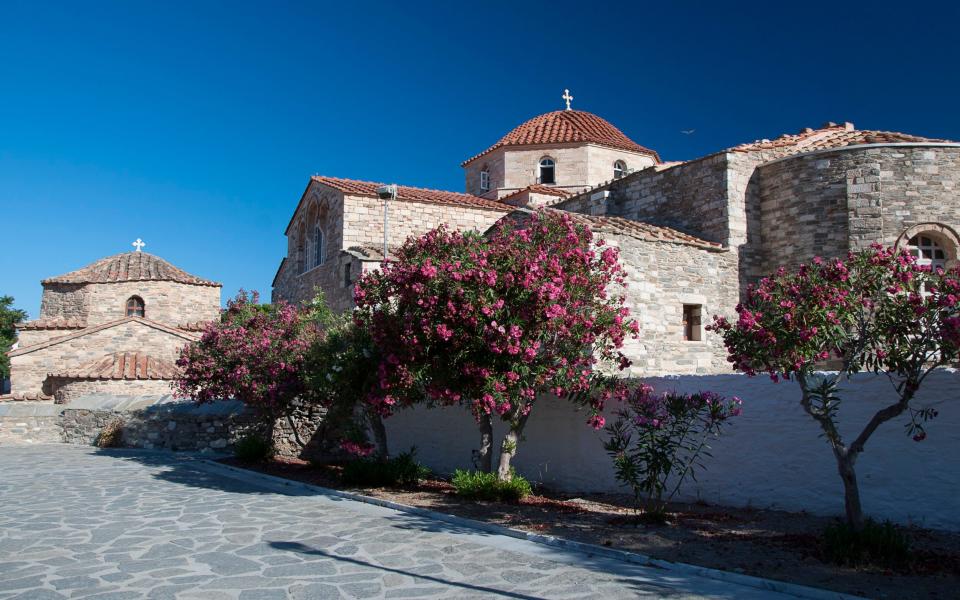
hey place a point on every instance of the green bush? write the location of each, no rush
(402, 469)
(478, 485)
(877, 544)
(253, 448)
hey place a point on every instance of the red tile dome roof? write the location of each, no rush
(568, 126)
(129, 266)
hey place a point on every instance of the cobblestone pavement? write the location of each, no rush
(82, 523)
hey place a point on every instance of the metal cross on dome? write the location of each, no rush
(566, 96)
(138, 244)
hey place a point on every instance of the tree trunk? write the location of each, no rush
(484, 461)
(379, 435)
(851, 492)
(508, 449)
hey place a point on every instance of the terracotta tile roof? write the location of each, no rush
(539, 188)
(129, 266)
(405, 192)
(54, 323)
(122, 365)
(25, 396)
(567, 126)
(639, 230)
(193, 326)
(828, 137)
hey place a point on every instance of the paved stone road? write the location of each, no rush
(82, 523)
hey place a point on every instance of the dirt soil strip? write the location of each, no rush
(799, 591)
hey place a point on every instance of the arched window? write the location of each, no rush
(619, 169)
(548, 170)
(319, 254)
(927, 251)
(135, 307)
(484, 179)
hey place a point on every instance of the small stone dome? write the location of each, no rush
(129, 266)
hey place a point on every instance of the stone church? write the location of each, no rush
(692, 233)
(113, 327)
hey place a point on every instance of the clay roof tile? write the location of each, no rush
(122, 366)
(129, 266)
(567, 126)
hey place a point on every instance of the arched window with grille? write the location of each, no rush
(548, 170)
(135, 307)
(619, 169)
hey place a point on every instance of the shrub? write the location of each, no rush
(492, 321)
(253, 448)
(662, 438)
(111, 436)
(479, 485)
(876, 544)
(402, 469)
(879, 311)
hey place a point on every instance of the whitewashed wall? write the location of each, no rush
(771, 457)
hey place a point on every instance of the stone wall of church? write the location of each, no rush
(662, 279)
(165, 301)
(64, 301)
(30, 369)
(363, 220)
(30, 337)
(331, 277)
(824, 203)
(494, 164)
(691, 197)
(600, 161)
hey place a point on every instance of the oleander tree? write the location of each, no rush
(255, 354)
(496, 321)
(878, 311)
(9, 317)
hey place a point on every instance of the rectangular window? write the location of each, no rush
(484, 180)
(347, 279)
(691, 323)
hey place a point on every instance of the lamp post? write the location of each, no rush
(386, 193)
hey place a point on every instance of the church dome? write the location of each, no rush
(564, 127)
(129, 266)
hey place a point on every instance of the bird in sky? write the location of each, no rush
(687, 131)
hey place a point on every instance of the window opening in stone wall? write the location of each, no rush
(548, 171)
(619, 169)
(135, 307)
(691, 323)
(927, 251)
(347, 276)
(484, 180)
(318, 250)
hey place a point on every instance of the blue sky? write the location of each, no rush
(196, 125)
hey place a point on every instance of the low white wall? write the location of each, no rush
(770, 457)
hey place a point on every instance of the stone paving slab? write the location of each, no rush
(84, 523)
